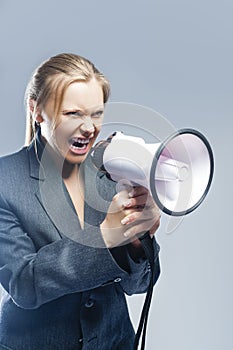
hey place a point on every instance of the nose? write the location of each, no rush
(87, 126)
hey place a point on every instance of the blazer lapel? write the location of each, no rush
(51, 191)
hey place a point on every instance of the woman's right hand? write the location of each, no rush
(130, 214)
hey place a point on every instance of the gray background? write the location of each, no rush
(174, 56)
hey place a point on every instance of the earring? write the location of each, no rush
(37, 125)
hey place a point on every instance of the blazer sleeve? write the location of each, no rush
(34, 277)
(139, 272)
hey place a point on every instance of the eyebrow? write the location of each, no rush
(85, 112)
(73, 109)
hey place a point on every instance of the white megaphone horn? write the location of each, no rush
(178, 171)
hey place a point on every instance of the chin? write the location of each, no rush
(76, 159)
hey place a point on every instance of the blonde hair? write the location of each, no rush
(52, 77)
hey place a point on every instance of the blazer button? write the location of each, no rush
(89, 303)
(80, 340)
(117, 280)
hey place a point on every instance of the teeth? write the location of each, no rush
(78, 147)
(79, 140)
(78, 143)
(83, 141)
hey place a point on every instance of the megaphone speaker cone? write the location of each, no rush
(182, 172)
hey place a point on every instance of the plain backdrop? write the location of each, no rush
(175, 57)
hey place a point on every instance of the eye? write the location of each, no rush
(74, 113)
(97, 114)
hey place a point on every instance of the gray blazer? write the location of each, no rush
(62, 289)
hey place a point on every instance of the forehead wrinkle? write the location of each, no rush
(69, 104)
(83, 95)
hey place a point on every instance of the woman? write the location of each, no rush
(65, 264)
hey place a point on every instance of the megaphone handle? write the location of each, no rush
(147, 244)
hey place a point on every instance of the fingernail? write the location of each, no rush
(125, 221)
(126, 234)
(128, 203)
(131, 194)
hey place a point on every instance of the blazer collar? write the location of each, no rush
(35, 152)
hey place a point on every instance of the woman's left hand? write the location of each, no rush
(140, 199)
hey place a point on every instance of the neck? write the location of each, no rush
(66, 169)
(70, 170)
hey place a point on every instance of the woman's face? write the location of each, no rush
(78, 123)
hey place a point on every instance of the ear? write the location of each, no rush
(35, 111)
(39, 118)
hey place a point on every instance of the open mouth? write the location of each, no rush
(78, 145)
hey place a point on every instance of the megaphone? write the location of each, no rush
(178, 171)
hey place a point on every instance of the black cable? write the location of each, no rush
(147, 244)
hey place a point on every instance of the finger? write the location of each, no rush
(121, 198)
(132, 217)
(140, 200)
(138, 191)
(140, 216)
(142, 227)
(129, 211)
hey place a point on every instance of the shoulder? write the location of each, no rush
(13, 156)
(12, 165)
